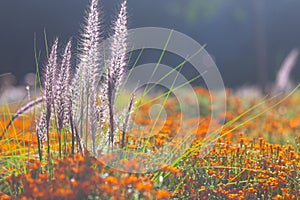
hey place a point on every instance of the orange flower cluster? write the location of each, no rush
(278, 125)
(295, 122)
(81, 177)
(248, 170)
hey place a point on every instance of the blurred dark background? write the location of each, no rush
(248, 39)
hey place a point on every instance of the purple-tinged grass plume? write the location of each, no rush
(41, 130)
(62, 90)
(116, 65)
(89, 70)
(62, 100)
(48, 91)
(283, 81)
(22, 110)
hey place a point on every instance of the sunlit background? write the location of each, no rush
(248, 39)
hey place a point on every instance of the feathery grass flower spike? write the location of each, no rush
(62, 92)
(117, 63)
(88, 74)
(48, 91)
(48, 95)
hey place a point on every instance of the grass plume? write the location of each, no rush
(88, 74)
(20, 111)
(116, 66)
(62, 90)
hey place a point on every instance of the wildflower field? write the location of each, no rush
(79, 140)
(257, 159)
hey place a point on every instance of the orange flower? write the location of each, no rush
(295, 122)
(132, 146)
(106, 188)
(63, 192)
(4, 196)
(74, 182)
(211, 172)
(202, 188)
(233, 196)
(130, 180)
(144, 186)
(111, 179)
(162, 194)
(277, 197)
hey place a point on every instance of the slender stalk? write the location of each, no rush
(72, 131)
(59, 143)
(125, 125)
(39, 146)
(111, 112)
(87, 119)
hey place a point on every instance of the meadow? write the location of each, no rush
(77, 140)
